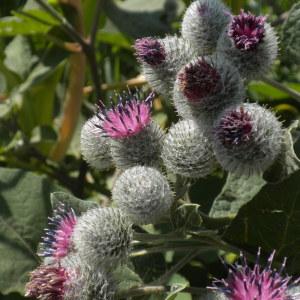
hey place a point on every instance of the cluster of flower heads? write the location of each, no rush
(78, 253)
(203, 73)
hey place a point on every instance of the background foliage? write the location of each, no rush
(47, 91)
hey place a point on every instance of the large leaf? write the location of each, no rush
(178, 284)
(236, 192)
(287, 162)
(263, 91)
(77, 204)
(291, 35)
(272, 221)
(24, 208)
(18, 56)
(11, 26)
(140, 18)
(37, 107)
(125, 278)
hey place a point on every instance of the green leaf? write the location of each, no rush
(291, 35)
(272, 221)
(11, 26)
(18, 56)
(115, 39)
(260, 90)
(137, 19)
(77, 204)
(3, 84)
(24, 208)
(126, 278)
(186, 216)
(53, 57)
(236, 192)
(178, 283)
(39, 16)
(43, 138)
(287, 162)
(37, 106)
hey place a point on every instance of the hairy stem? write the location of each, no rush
(156, 289)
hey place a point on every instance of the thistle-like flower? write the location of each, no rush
(247, 139)
(95, 146)
(205, 87)
(203, 23)
(143, 194)
(126, 119)
(102, 237)
(161, 59)
(47, 282)
(187, 151)
(57, 240)
(257, 283)
(135, 138)
(250, 43)
(247, 31)
(69, 280)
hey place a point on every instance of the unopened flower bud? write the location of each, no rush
(143, 194)
(187, 151)
(203, 23)
(102, 236)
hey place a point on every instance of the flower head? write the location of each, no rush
(102, 237)
(126, 118)
(247, 139)
(150, 51)
(47, 282)
(257, 283)
(143, 194)
(199, 80)
(235, 128)
(247, 30)
(56, 242)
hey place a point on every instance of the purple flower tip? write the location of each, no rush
(56, 242)
(150, 51)
(247, 30)
(257, 283)
(126, 118)
(47, 282)
(199, 80)
(235, 127)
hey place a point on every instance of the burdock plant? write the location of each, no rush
(203, 73)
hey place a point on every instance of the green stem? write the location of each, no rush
(178, 266)
(157, 289)
(68, 28)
